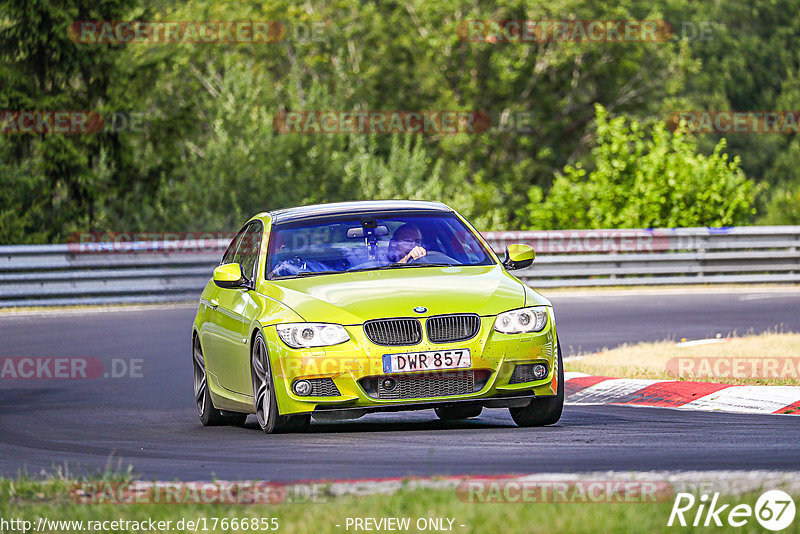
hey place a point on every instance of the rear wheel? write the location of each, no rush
(266, 406)
(453, 413)
(546, 411)
(208, 414)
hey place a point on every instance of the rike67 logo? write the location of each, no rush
(774, 510)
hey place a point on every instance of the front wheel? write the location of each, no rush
(266, 406)
(208, 414)
(546, 411)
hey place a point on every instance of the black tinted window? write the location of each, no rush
(249, 247)
(230, 253)
(347, 243)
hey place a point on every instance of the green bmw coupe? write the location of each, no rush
(338, 310)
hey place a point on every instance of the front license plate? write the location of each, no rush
(426, 361)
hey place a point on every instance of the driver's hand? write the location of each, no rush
(416, 252)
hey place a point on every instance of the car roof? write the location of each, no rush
(355, 208)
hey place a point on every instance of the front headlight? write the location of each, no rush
(522, 321)
(305, 335)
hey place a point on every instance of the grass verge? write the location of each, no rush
(30, 500)
(765, 359)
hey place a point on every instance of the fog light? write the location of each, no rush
(389, 384)
(302, 388)
(539, 371)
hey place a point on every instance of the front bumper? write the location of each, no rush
(352, 364)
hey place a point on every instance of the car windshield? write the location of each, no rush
(371, 242)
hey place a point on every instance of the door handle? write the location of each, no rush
(214, 303)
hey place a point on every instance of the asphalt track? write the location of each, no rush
(149, 422)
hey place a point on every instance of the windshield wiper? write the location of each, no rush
(404, 265)
(302, 274)
(398, 266)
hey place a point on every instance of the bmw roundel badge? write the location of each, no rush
(420, 309)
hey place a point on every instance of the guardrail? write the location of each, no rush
(106, 273)
(744, 254)
(47, 275)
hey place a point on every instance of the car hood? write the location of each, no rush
(352, 298)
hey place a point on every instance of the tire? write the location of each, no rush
(265, 404)
(454, 413)
(546, 411)
(208, 413)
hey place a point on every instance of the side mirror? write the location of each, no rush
(518, 257)
(229, 276)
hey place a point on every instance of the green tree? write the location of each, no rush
(58, 181)
(644, 177)
(209, 156)
(783, 206)
(749, 62)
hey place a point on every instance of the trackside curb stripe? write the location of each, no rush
(673, 394)
(792, 409)
(704, 396)
(614, 390)
(574, 385)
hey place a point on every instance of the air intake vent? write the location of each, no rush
(449, 328)
(421, 386)
(323, 387)
(394, 331)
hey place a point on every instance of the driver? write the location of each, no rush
(405, 245)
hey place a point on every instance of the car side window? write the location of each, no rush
(230, 252)
(241, 246)
(249, 248)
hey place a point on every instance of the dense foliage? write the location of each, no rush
(577, 136)
(644, 179)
